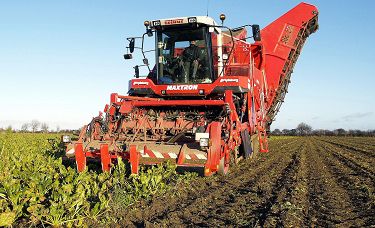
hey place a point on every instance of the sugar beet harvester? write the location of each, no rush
(210, 98)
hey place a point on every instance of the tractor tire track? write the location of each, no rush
(363, 166)
(199, 206)
(270, 211)
(330, 204)
(356, 199)
(359, 151)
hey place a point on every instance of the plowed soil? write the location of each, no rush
(302, 181)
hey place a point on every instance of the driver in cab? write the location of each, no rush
(192, 57)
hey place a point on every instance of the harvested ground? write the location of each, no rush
(303, 181)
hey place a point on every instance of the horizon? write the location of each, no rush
(55, 127)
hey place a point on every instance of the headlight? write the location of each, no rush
(66, 138)
(203, 142)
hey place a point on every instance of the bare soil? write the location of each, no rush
(302, 181)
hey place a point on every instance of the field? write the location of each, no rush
(303, 181)
(320, 181)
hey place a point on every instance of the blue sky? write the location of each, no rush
(60, 60)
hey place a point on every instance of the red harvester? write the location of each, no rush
(210, 98)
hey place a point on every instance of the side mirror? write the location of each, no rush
(131, 45)
(256, 32)
(136, 70)
(145, 61)
(128, 56)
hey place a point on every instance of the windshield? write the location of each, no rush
(183, 56)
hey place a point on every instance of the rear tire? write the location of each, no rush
(246, 147)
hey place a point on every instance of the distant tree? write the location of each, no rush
(303, 129)
(293, 132)
(34, 125)
(285, 131)
(318, 132)
(9, 129)
(25, 127)
(276, 132)
(355, 132)
(44, 127)
(340, 132)
(361, 133)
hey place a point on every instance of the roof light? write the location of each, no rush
(192, 20)
(222, 18)
(156, 23)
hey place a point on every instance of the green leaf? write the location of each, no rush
(7, 218)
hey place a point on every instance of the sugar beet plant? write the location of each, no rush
(36, 188)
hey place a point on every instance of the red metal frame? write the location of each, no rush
(105, 158)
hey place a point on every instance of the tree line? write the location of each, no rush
(304, 129)
(36, 126)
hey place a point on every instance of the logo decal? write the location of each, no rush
(229, 80)
(175, 21)
(182, 87)
(140, 83)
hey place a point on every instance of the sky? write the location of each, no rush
(61, 60)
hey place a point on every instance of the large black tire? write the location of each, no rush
(246, 148)
(250, 145)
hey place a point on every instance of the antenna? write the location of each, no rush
(208, 4)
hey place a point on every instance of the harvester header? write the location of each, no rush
(209, 99)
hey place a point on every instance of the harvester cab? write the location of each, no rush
(190, 54)
(208, 100)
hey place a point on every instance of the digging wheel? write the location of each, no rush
(218, 151)
(224, 164)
